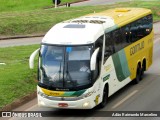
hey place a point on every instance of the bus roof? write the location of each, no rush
(87, 29)
(123, 16)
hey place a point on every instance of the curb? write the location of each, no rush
(19, 37)
(156, 21)
(73, 2)
(65, 4)
(19, 102)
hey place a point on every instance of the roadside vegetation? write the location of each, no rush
(27, 5)
(16, 79)
(30, 17)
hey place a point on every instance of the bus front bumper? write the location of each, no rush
(85, 103)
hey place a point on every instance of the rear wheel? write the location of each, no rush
(138, 75)
(143, 69)
(105, 98)
(142, 73)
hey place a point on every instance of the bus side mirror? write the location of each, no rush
(94, 60)
(32, 57)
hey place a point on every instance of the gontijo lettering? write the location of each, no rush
(136, 48)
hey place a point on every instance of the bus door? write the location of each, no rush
(107, 71)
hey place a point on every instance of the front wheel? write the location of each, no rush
(105, 98)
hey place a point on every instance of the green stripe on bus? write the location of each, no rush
(118, 67)
(106, 78)
(121, 65)
(79, 93)
(74, 93)
(68, 94)
(124, 63)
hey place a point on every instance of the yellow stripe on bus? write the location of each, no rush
(52, 93)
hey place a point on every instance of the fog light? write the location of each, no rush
(86, 104)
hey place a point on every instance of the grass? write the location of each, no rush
(16, 79)
(38, 21)
(25, 5)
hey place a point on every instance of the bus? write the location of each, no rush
(85, 60)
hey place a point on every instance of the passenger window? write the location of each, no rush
(125, 33)
(133, 32)
(109, 46)
(117, 40)
(147, 24)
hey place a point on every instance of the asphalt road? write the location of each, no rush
(19, 42)
(97, 2)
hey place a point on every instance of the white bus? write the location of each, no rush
(85, 60)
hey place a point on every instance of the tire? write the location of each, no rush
(138, 75)
(105, 98)
(142, 73)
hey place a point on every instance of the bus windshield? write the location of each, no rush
(65, 67)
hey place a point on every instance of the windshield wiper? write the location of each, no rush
(59, 71)
(68, 76)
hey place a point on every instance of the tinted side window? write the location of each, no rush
(140, 28)
(120, 38)
(147, 24)
(125, 33)
(133, 31)
(109, 46)
(117, 40)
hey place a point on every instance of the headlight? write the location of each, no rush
(86, 104)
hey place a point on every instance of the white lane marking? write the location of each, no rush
(124, 99)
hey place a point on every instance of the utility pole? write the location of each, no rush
(55, 3)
